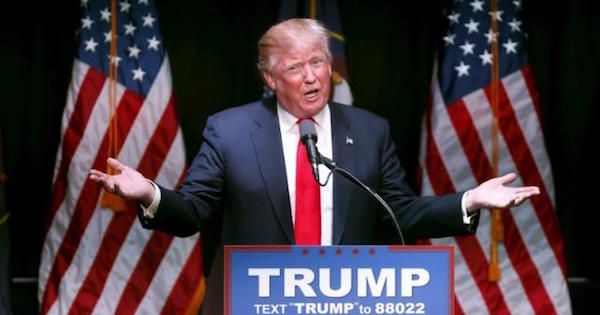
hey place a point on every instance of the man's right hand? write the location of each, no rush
(126, 182)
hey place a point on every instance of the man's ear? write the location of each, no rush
(269, 80)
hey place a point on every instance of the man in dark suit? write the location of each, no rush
(246, 170)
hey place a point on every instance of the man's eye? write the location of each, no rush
(293, 69)
(316, 62)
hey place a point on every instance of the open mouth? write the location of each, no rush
(311, 94)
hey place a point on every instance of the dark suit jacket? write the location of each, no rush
(239, 174)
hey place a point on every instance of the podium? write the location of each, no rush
(339, 280)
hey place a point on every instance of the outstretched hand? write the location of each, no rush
(126, 182)
(494, 194)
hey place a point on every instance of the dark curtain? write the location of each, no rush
(4, 246)
(212, 49)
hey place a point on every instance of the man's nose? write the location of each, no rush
(309, 74)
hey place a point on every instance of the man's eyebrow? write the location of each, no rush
(292, 64)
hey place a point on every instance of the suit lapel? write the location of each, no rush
(269, 154)
(343, 154)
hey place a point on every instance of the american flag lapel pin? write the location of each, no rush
(349, 140)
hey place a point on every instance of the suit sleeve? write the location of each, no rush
(418, 217)
(185, 211)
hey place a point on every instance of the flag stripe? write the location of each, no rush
(86, 99)
(86, 298)
(157, 101)
(523, 217)
(160, 143)
(130, 153)
(469, 141)
(529, 81)
(120, 225)
(524, 264)
(76, 226)
(136, 144)
(464, 124)
(62, 218)
(177, 255)
(553, 278)
(527, 169)
(77, 173)
(83, 212)
(477, 106)
(468, 246)
(521, 260)
(80, 71)
(182, 293)
(143, 274)
(510, 286)
(522, 102)
(158, 243)
(479, 268)
(180, 249)
(473, 150)
(468, 296)
(172, 167)
(433, 166)
(510, 282)
(483, 269)
(445, 138)
(477, 262)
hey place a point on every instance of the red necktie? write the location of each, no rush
(307, 229)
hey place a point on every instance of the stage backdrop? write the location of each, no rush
(212, 49)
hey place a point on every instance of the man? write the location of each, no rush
(248, 170)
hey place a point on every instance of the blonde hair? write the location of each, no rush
(291, 34)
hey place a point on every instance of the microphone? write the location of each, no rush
(308, 136)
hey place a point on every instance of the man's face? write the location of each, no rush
(300, 79)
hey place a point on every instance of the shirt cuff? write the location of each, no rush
(151, 210)
(465, 216)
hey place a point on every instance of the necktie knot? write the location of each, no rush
(303, 119)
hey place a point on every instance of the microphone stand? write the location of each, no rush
(332, 165)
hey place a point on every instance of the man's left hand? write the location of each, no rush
(494, 194)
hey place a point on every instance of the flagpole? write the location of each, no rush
(497, 229)
(112, 76)
(109, 200)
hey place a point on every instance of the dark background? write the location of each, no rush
(212, 48)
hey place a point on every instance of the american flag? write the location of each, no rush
(456, 154)
(94, 259)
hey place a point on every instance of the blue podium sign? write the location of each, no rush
(339, 280)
